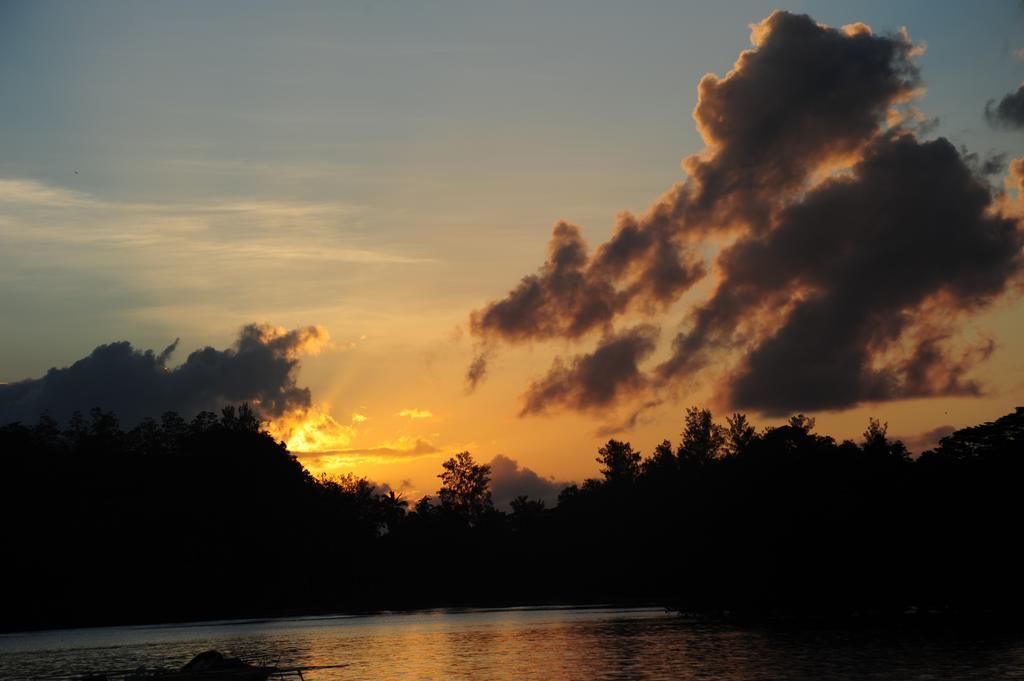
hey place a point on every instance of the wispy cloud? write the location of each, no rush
(393, 451)
(32, 193)
(228, 230)
(416, 413)
(207, 264)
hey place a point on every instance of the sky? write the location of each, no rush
(336, 194)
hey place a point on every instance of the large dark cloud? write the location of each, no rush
(851, 295)
(598, 379)
(510, 480)
(857, 250)
(259, 368)
(805, 97)
(1008, 112)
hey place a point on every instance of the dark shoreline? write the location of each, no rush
(974, 621)
(213, 519)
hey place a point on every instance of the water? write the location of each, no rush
(550, 643)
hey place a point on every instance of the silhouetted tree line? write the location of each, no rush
(176, 519)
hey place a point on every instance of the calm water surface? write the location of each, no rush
(550, 643)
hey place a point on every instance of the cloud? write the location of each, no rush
(929, 439)
(1016, 176)
(850, 255)
(258, 368)
(597, 379)
(852, 295)
(477, 370)
(574, 293)
(1008, 112)
(401, 449)
(228, 230)
(26, 192)
(807, 96)
(983, 166)
(644, 267)
(312, 428)
(510, 480)
(157, 261)
(629, 422)
(415, 413)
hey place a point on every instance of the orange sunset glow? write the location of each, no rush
(490, 340)
(403, 351)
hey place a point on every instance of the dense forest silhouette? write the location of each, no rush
(211, 518)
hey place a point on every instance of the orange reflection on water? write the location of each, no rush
(527, 643)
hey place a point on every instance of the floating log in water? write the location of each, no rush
(208, 666)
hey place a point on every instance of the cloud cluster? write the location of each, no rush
(854, 250)
(1009, 111)
(258, 368)
(805, 98)
(575, 292)
(596, 379)
(510, 480)
(851, 295)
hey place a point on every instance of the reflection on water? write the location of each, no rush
(602, 643)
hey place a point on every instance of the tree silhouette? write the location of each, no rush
(876, 433)
(802, 423)
(244, 419)
(394, 509)
(877, 443)
(465, 487)
(619, 463)
(662, 463)
(703, 439)
(526, 513)
(778, 521)
(739, 434)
